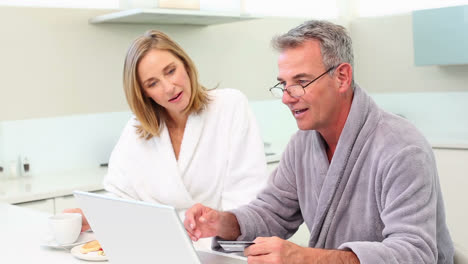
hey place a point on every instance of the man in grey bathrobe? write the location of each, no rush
(363, 180)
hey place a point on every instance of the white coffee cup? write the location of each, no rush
(65, 227)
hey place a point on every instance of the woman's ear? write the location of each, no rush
(344, 73)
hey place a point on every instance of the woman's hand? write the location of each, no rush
(84, 222)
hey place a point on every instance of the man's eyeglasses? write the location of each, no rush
(295, 90)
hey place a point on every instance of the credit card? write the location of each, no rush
(234, 246)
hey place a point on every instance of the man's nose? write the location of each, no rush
(287, 98)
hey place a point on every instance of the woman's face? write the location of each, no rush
(163, 78)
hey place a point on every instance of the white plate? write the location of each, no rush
(91, 256)
(84, 237)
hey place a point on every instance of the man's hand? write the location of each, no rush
(201, 221)
(84, 222)
(274, 250)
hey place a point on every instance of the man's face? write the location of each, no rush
(315, 110)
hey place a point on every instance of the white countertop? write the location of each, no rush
(39, 187)
(45, 186)
(455, 142)
(273, 157)
(23, 238)
(23, 231)
(449, 145)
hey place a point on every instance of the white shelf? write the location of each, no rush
(169, 16)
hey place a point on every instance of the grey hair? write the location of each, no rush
(335, 43)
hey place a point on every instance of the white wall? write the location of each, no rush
(239, 55)
(2, 149)
(384, 59)
(54, 63)
(62, 103)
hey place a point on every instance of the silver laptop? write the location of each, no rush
(140, 232)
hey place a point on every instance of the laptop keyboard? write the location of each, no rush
(213, 258)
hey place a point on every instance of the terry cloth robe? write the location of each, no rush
(379, 196)
(221, 161)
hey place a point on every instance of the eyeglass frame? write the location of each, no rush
(303, 86)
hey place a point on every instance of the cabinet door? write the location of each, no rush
(271, 166)
(46, 205)
(452, 166)
(302, 236)
(68, 201)
(64, 202)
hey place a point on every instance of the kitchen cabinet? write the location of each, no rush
(53, 205)
(46, 205)
(64, 202)
(169, 16)
(452, 166)
(440, 36)
(301, 237)
(51, 192)
(271, 166)
(68, 201)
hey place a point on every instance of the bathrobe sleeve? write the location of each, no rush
(406, 195)
(276, 210)
(117, 182)
(246, 168)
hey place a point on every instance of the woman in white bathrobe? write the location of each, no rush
(184, 144)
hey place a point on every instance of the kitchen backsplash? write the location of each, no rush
(85, 141)
(441, 117)
(62, 143)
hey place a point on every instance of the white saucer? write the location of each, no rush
(91, 256)
(84, 237)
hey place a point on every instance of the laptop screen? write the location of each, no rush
(139, 232)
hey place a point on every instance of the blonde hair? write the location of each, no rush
(151, 115)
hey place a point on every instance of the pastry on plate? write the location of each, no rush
(92, 246)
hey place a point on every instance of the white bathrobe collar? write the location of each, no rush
(192, 134)
(221, 160)
(194, 128)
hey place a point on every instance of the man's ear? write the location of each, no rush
(344, 75)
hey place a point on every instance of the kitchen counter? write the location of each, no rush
(24, 230)
(44, 186)
(273, 158)
(449, 145)
(23, 238)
